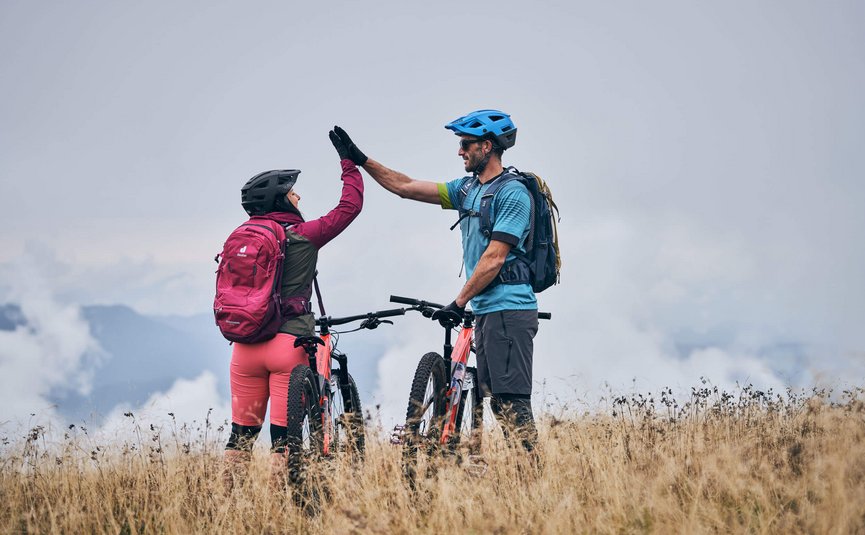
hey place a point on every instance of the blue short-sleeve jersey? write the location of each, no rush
(510, 214)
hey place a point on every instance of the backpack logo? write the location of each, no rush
(242, 251)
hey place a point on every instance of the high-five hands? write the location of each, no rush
(345, 147)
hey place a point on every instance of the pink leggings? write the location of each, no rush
(259, 371)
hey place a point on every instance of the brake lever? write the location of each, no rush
(372, 323)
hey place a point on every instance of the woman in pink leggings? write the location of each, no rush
(261, 371)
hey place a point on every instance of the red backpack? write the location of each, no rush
(248, 306)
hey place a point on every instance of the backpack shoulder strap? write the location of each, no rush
(289, 237)
(468, 183)
(486, 224)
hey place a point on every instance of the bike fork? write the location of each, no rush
(454, 394)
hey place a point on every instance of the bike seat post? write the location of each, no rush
(310, 346)
(312, 351)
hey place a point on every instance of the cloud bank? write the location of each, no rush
(707, 159)
(50, 351)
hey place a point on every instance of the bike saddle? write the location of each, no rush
(307, 341)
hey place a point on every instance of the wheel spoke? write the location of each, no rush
(337, 409)
(427, 415)
(305, 441)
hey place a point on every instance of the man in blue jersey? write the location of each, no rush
(501, 298)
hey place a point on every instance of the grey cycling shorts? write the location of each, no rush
(504, 345)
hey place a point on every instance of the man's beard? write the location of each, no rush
(478, 166)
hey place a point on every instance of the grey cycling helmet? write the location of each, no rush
(260, 193)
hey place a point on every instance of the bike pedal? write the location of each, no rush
(396, 437)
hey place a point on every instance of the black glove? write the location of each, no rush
(345, 147)
(340, 147)
(450, 315)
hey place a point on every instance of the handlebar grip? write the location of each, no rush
(404, 300)
(390, 313)
(545, 315)
(414, 302)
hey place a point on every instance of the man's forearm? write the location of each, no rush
(401, 184)
(393, 181)
(487, 269)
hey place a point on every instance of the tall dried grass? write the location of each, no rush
(753, 462)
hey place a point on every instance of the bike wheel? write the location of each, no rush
(470, 418)
(426, 410)
(305, 433)
(348, 428)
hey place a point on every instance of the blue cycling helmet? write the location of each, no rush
(487, 124)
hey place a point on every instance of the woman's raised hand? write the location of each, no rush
(345, 147)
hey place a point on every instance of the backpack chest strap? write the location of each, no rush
(484, 211)
(486, 206)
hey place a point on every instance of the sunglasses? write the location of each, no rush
(466, 143)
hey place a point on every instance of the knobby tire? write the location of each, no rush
(424, 424)
(348, 432)
(303, 408)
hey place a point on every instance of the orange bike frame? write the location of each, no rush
(323, 363)
(459, 359)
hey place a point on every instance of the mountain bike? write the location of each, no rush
(324, 411)
(445, 407)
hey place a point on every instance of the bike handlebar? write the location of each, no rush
(414, 302)
(426, 304)
(417, 304)
(329, 321)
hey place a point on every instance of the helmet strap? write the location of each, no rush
(479, 168)
(283, 205)
(481, 165)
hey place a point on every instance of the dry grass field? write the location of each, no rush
(749, 462)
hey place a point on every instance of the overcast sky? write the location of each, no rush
(707, 159)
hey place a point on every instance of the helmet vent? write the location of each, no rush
(260, 193)
(495, 125)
